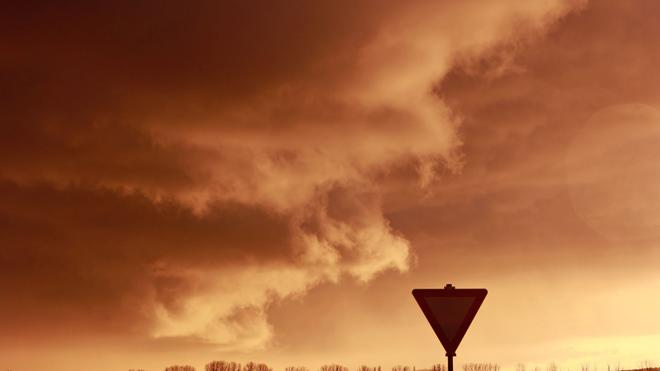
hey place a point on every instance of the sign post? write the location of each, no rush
(450, 312)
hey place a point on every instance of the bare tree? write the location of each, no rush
(439, 367)
(333, 367)
(296, 368)
(222, 366)
(252, 366)
(367, 368)
(216, 366)
(481, 367)
(180, 368)
(400, 368)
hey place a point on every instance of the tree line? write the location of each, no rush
(253, 366)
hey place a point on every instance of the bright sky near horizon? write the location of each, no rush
(268, 181)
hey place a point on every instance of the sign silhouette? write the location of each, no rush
(450, 312)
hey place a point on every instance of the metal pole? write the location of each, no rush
(450, 361)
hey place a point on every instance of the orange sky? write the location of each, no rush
(265, 181)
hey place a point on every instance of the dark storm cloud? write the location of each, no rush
(196, 162)
(212, 50)
(81, 80)
(88, 247)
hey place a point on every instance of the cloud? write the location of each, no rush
(558, 152)
(198, 164)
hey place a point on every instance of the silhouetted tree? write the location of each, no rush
(222, 366)
(481, 367)
(252, 366)
(180, 368)
(216, 366)
(333, 367)
(439, 367)
(367, 368)
(400, 368)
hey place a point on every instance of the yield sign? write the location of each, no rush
(450, 312)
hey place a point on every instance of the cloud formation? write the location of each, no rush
(195, 164)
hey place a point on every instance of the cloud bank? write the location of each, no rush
(174, 171)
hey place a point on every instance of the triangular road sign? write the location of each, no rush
(450, 312)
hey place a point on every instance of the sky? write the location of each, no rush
(268, 181)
